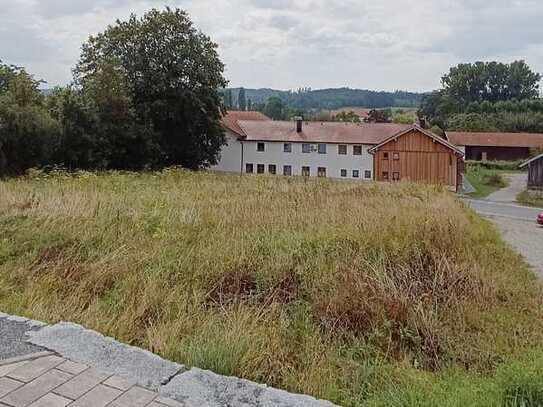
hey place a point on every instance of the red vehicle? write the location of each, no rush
(540, 219)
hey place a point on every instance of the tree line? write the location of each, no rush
(307, 99)
(486, 96)
(145, 94)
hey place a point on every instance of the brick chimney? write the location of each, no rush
(299, 124)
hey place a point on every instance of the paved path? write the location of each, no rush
(47, 380)
(525, 237)
(78, 367)
(517, 184)
(517, 223)
(513, 211)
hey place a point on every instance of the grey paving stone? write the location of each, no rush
(135, 397)
(7, 369)
(100, 396)
(27, 358)
(168, 402)
(119, 383)
(36, 389)
(81, 383)
(7, 385)
(200, 388)
(82, 345)
(35, 368)
(51, 400)
(72, 367)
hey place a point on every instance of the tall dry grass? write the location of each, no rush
(321, 287)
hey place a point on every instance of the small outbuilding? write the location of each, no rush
(535, 172)
(495, 145)
(418, 155)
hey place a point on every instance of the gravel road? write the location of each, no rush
(517, 184)
(525, 237)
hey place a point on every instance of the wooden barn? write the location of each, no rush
(495, 146)
(535, 172)
(417, 155)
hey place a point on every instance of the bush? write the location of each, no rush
(495, 180)
(495, 165)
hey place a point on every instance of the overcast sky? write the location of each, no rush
(286, 44)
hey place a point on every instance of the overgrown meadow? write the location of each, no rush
(362, 294)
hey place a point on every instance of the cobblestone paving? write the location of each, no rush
(46, 380)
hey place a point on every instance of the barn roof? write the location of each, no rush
(231, 120)
(531, 160)
(421, 130)
(320, 132)
(487, 139)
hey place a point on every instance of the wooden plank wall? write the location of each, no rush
(535, 174)
(421, 159)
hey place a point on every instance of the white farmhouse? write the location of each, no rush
(322, 149)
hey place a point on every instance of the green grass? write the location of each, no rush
(486, 180)
(362, 294)
(531, 198)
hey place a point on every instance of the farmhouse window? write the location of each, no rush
(287, 148)
(322, 148)
(395, 176)
(306, 148)
(306, 171)
(260, 147)
(287, 170)
(260, 168)
(343, 173)
(357, 150)
(356, 174)
(249, 168)
(385, 156)
(396, 156)
(367, 174)
(272, 169)
(342, 149)
(321, 171)
(385, 175)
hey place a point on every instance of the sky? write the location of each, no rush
(287, 44)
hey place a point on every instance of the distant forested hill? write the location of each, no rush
(333, 98)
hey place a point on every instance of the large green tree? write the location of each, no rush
(275, 108)
(28, 133)
(491, 81)
(481, 87)
(169, 75)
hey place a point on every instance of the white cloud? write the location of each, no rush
(387, 44)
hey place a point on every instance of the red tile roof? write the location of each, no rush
(320, 132)
(462, 138)
(231, 118)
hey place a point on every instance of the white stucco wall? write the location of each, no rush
(274, 154)
(230, 157)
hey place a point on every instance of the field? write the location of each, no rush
(362, 294)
